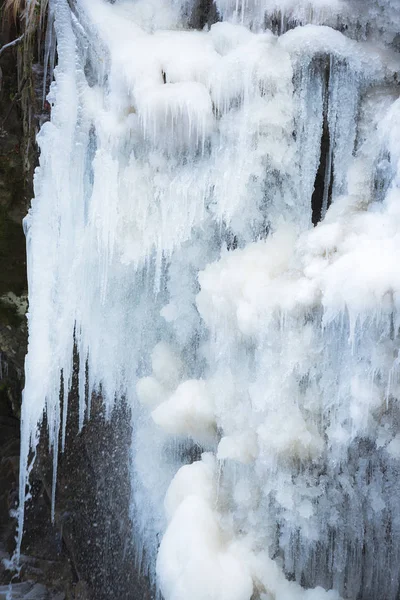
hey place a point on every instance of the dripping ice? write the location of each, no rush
(171, 240)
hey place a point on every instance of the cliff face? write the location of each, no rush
(13, 285)
(14, 197)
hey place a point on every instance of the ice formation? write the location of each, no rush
(171, 239)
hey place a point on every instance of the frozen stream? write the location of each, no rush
(217, 222)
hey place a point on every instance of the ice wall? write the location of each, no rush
(171, 236)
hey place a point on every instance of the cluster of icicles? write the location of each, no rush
(171, 239)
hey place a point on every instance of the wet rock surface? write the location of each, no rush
(87, 553)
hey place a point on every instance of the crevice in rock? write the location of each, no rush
(204, 13)
(322, 194)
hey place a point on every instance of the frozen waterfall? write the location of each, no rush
(216, 227)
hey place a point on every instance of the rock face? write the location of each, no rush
(12, 285)
(87, 553)
(92, 504)
(14, 198)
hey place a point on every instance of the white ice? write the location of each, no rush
(171, 239)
